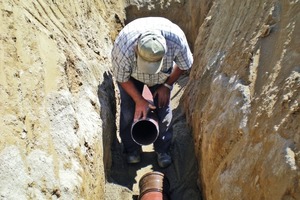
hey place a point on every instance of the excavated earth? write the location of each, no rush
(236, 112)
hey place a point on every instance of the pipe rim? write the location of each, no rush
(154, 122)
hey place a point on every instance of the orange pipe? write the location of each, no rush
(146, 131)
(151, 186)
(147, 94)
(152, 196)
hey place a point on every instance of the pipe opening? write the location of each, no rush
(144, 132)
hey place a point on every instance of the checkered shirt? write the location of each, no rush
(124, 61)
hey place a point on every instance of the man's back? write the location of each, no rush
(124, 50)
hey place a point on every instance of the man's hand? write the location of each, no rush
(142, 108)
(163, 94)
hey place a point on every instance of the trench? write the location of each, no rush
(181, 177)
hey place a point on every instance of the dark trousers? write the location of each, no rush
(163, 142)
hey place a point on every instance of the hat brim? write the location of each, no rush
(149, 67)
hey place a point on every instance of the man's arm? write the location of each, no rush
(142, 106)
(174, 76)
(163, 91)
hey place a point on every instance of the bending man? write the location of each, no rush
(150, 51)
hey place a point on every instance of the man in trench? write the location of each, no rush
(150, 51)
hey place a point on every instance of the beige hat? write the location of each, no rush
(151, 50)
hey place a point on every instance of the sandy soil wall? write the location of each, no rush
(56, 97)
(243, 99)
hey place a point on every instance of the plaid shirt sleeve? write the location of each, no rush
(121, 63)
(184, 57)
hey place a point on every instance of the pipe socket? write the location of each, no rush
(151, 186)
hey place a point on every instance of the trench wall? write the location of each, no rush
(56, 97)
(242, 100)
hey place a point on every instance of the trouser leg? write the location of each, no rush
(127, 109)
(163, 142)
